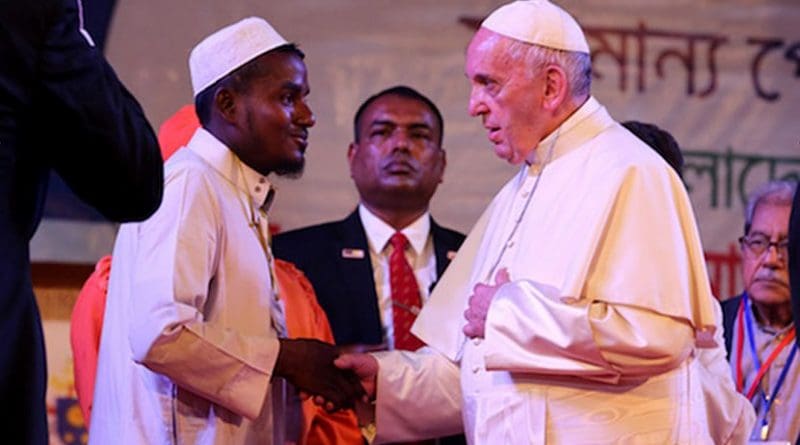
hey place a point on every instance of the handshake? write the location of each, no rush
(317, 369)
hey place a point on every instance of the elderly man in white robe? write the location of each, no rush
(578, 311)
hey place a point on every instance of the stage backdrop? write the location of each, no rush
(722, 75)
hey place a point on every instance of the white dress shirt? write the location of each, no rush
(420, 256)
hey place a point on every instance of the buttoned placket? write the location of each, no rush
(260, 223)
(518, 207)
(510, 237)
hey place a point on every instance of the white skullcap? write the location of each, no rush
(229, 48)
(539, 22)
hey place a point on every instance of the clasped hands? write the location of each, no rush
(316, 369)
(339, 381)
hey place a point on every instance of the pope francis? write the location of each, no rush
(578, 310)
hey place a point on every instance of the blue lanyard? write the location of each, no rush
(751, 342)
(781, 378)
(748, 316)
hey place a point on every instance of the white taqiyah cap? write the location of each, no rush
(229, 48)
(539, 22)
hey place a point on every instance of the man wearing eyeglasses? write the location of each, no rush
(759, 333)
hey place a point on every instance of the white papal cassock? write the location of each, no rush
(606, 332)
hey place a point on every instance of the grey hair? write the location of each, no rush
(777, 192)
(577, 65)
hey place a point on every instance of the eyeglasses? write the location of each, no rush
(757, 245)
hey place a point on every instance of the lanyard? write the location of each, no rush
(746, 321)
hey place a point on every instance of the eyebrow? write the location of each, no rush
(414, 125)
(294, 88)
(482, 78)
(767, 235)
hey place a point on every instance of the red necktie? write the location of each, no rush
(406, 301)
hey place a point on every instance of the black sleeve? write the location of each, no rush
(794, 261)
(93, 130)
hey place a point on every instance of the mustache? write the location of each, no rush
(402, 159)
(772, 278)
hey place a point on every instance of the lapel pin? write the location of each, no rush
(451, 254)
(352, 254)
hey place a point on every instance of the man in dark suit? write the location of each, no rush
(396, 161)
(61, 108)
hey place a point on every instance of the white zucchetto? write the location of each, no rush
(539, 22)
(229, 48)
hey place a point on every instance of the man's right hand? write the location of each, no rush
(365, 366)
(308, 365)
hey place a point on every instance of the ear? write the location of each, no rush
(351, 154)
(556, 88)
(442, 164)
(225, 101)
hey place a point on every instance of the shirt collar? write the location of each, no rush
(766, 328)
(586, 122)
(250, 182)
(378, 232)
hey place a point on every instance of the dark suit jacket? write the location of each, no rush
(61, 108)
(794, 262)
(794, 265)
(345, 287)
(729, 309)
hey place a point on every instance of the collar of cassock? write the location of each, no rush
(586, 122)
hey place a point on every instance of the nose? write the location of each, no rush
(400, 140)
(476, 105)
(774, 257)
(304, 116)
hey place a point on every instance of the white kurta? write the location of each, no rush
(603, 336)
(187, 349)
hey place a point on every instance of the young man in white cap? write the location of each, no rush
(191, 348)
(589, 317)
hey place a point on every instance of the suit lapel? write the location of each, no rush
(442, 248)
(358, 278)
(356, 272)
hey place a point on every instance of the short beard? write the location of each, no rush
(292, 170)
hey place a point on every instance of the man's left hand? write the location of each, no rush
(479, 301)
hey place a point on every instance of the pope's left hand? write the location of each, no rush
(479, 301)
